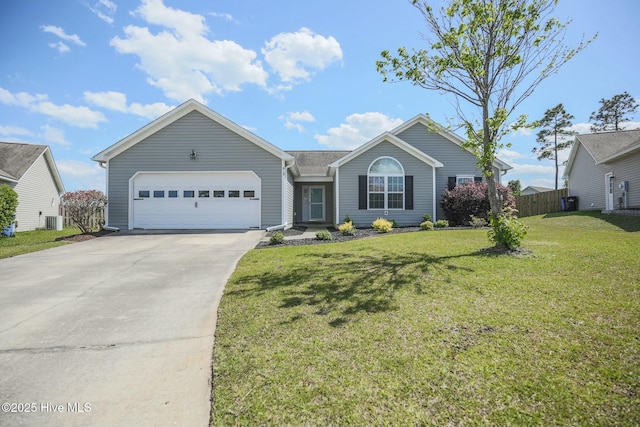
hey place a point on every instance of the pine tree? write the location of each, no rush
(613, 113)
(554, 135)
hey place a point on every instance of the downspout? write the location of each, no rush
(433, 169)
(284, 224)
(336, 197)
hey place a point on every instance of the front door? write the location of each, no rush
(609, 182)
(316, 204)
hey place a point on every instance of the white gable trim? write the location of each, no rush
(388, 137)
(177, 113)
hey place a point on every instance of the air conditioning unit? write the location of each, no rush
(54, 222)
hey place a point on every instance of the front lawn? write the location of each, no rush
(425, 328)
(32, 241)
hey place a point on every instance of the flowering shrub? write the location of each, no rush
(382, 225)
(426, 225)
(82, 205)
(8, 205)
(347, 229)
(472, 198)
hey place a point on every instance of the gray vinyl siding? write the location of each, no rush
(586, 181)
(626, 169)
(36, 190)
(218, 149)
(290, 198)
(422, 187)
(456, 160)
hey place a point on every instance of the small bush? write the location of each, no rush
(427, 217)
(347, 229)
(507, 230)
(324, 235)
(426, 225)
(441, 223)
(82, 206)
(276, 238)
(8, 205)
(476, 222)
(394, 224)
(347, 219)
(472, 199)
(382, 225)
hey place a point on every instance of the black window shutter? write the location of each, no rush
(451, 182)
(408, 192)
(362, 192)
(477, 179)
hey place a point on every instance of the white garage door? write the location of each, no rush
(198, 200)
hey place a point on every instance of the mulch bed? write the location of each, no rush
(84, 237)
(361, 233)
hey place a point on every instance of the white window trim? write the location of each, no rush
(461, 179)
(386, 186)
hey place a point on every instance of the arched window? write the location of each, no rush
(386, 184)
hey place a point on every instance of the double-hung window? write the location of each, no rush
(386, 184)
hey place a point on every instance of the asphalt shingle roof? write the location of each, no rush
(16, 159)
(316, 163)
(606, 144)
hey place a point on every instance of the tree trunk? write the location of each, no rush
(494, 198)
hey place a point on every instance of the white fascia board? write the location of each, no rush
(313, 178)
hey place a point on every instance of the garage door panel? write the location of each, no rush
(192, 203)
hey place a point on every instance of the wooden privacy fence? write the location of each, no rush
(96, 221)
(540, 203)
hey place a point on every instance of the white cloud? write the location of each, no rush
(76, 116)
(290, 119)
(294, 55)
(181, 60)
(62, 48)
(117, 101)
(532, 169)
(510, 155)
(225, 16)
(73, 38)
(358, 129)
(55, 135)
(14, 130)
(79, 169)
(105, 10)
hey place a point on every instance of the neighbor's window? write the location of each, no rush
(234, 193)
(386, 184)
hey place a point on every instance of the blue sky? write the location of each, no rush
(79, 75)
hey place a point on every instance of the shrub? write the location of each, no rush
(347, 219)
(394, 224)
(426, 225)
(324, 235)
(441, 223)
(427, 217)
(82, 206)
(382, 225)
(506, 230)
(277, 238)
(347, 229)
(8, 205)
(472, 198)
(476, 222)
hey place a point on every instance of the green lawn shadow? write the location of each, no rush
(626, 223)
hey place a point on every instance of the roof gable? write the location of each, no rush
(388, 137)
(424, 120)
(177, 113)
(604, 147)
(17, 158)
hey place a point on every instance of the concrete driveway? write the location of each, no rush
(114, 331)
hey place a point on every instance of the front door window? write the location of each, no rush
(316, 204)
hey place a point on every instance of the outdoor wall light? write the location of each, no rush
(193, 155)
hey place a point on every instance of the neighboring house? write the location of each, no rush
(193, 168)
(531, 189)
(604, 170)
(31, 171)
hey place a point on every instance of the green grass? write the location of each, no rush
(426, 329)
(32, 241)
